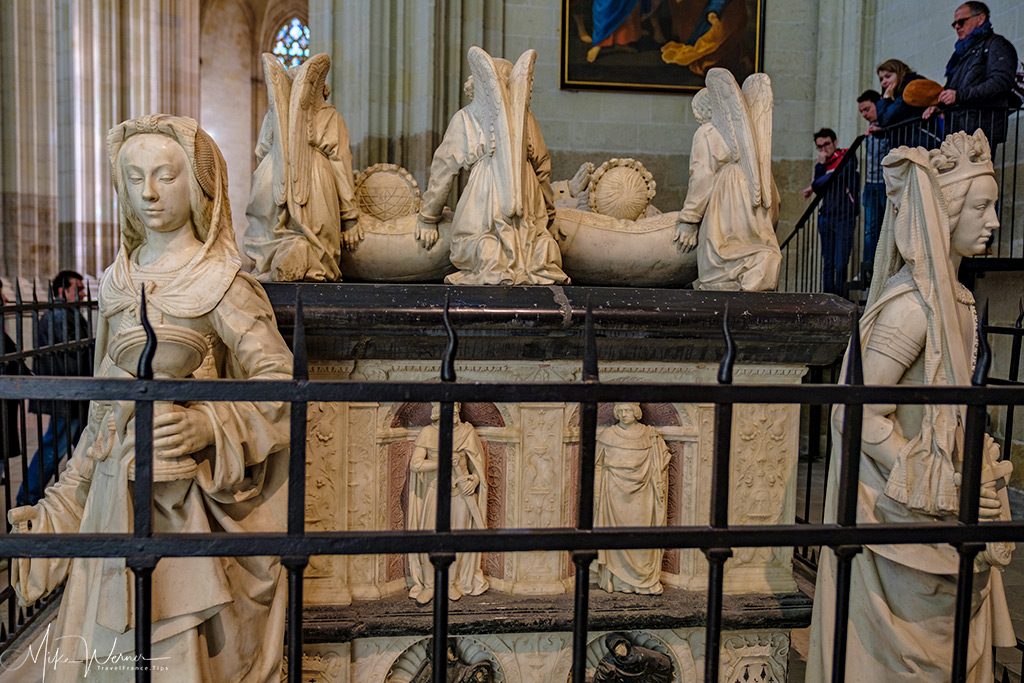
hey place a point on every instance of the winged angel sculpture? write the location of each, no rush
(732, 203)
(499, 233)
(302, 203)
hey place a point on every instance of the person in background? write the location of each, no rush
(980, 75)
(875, 149)
(11, 442)
(58, 325)
(897, 121)
(837, 212)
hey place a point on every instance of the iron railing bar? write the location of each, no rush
(849, 477)
(582, 560)
(106, 389)
(500, 540)
(970, 497)
(442, 561)
(1012, 378)
(295, 566)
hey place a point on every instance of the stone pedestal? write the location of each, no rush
(359, 453)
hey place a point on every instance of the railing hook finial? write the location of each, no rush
(983, 362)
(729, 357)
(145, 369)
(448, 360)
(300, 368)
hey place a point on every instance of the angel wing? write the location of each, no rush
(757, 90)
(307, 93)
(730, 116)
(520, 87)
(491, 106)
(279, 91)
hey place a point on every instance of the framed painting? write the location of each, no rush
(658, 45)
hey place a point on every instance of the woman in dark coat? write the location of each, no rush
(899, 122)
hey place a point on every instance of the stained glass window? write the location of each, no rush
(291, 44)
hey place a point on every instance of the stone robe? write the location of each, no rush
(487, 247)
(214, 619)
(465, 576)
(631, 490)
(736, 244)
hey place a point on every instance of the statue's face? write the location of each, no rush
(157, 177)
(624, 413)
(978, 219)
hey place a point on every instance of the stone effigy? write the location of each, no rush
(500, 227)
(468, 507)
(732, 203)
(218, 466)
(919, 328)
(627, 662)
(301, 205)
(610, 233)
(631, 489)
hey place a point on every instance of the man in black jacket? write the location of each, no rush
(979, 76)
(61, 324)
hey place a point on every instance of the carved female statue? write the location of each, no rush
(219, 466)
(500, 228)
(469, 505)
(631, 482)
(732, 203)
(918, 328)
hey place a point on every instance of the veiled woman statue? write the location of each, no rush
(302, 202)
(631, 478)
(918, 328)
(500, 228)
(219, 467)
(732, 203)
(468, 511)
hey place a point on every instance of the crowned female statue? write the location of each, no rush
(218, 466)
(919, 328)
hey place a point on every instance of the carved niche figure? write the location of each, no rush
(500, 228)
(458, 670)
(919, 328)
(631, 482)
(626, 662)
(218, 466)
(732, 203)
(469, 505)
(302, 189)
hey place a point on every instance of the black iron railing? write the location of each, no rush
(40, 336)
(143, 548)
(845, 225)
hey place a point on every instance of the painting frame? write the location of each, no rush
(747, 54)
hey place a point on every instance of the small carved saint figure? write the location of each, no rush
(458, 671)
(919, 328)
(469, 505)
(218, 466)
(626, 663)
(631, 489)
(302, 203)
(732, 203)
(500, 229)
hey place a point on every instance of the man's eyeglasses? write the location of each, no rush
(823, 145)
(958, 23)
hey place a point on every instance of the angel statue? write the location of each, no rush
(919, 329)
(301, 205)
(732, 203)
(500, 228)
(217, 466)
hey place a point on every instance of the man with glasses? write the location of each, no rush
(979, 76)
(838, 184)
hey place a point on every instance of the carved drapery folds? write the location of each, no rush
(358, 471)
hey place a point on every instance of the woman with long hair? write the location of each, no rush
(899, 122)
